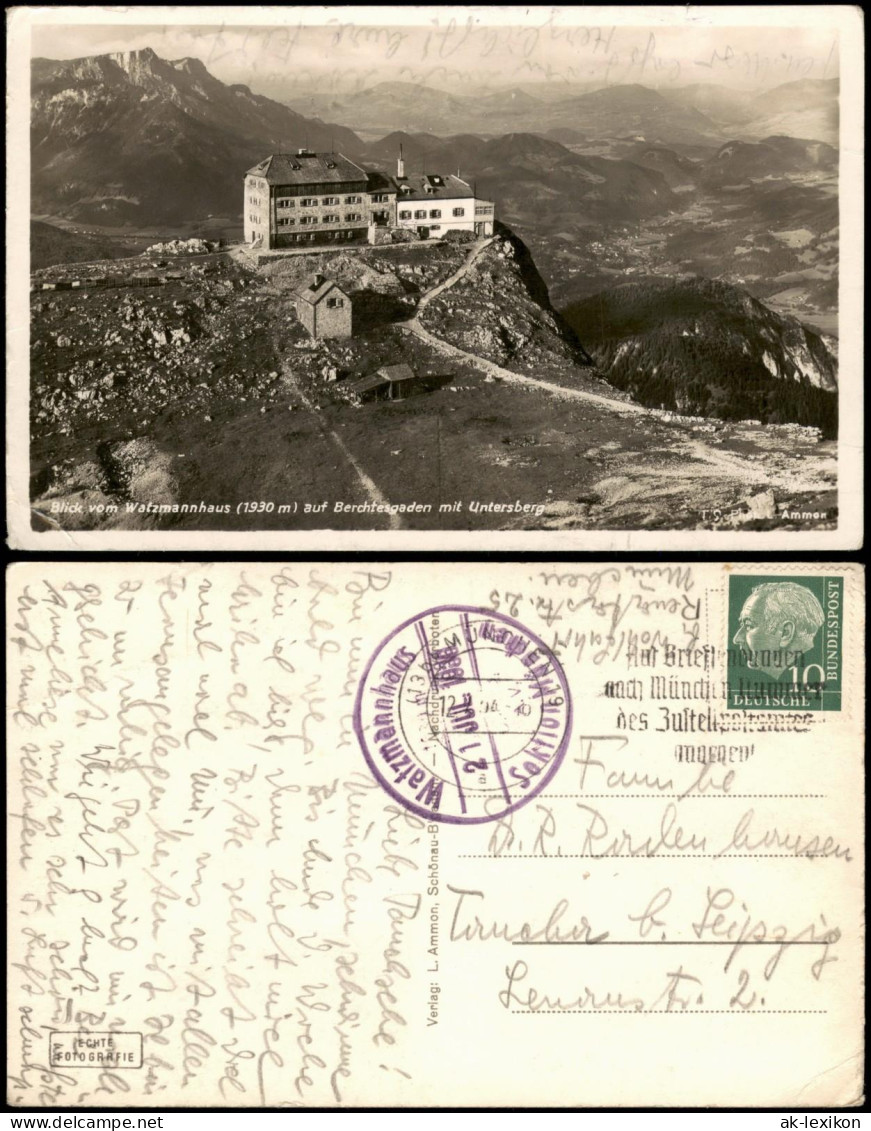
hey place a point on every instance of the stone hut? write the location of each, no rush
(324, 308)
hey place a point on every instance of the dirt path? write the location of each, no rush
(370, 489)
(413, 325)
(623, 407)
(451, 280)
(702, 459)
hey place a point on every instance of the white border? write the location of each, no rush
(848, 535)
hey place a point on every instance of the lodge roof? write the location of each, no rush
(432, 186)
(376, 181)
(307, 168)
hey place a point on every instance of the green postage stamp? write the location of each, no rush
(785, 643)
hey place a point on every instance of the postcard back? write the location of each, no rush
(408, 834)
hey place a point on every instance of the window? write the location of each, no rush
(459, 212)
(334, 302)
(379, 198)
(285, 221)
(330, 219)
(420, 215)
(353, 200)
(330, 200)
(353, 216)
(434, 227)
(308, 219)
(435, 214)
(307, 202)
(405, 215)
(285, 202)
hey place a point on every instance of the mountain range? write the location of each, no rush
(697, 114)
(617, 111)
(738, 162)
(133, 136)
(527, 173)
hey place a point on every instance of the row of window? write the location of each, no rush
(288, 221)
(376, 198)
(328, 235)
(313, 201)
(434, 214)
(254, 200)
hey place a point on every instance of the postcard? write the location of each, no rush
(422, 277)
(402, 835)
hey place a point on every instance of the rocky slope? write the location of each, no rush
(707, 348)
(500, 310)
(131, 136)
(179, 406)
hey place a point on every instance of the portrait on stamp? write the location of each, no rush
(785, 642)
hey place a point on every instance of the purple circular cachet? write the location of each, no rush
(463, 714)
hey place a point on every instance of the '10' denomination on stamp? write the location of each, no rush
(463, 714)
(785, 642)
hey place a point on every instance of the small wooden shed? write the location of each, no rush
(389, 383)
(396, 382)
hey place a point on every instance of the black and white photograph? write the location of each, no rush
(435, 277)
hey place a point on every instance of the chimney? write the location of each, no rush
(400, 166)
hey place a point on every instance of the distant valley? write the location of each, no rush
(602, 184)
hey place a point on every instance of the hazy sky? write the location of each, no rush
(464, 49)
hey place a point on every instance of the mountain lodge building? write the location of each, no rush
(317, 199)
